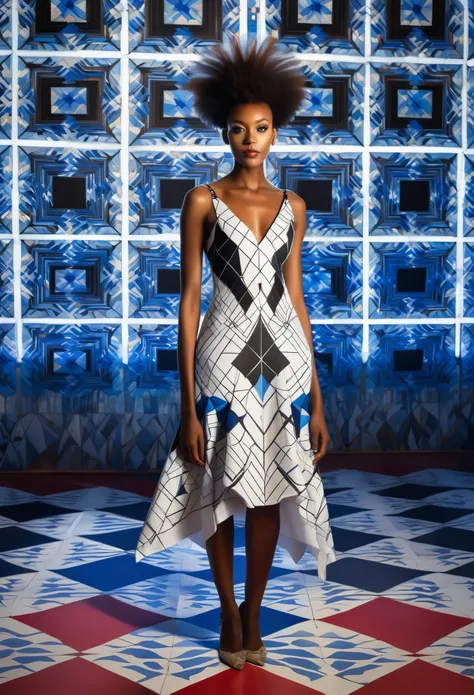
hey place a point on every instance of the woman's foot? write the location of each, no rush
(231, 631)
(251, 638)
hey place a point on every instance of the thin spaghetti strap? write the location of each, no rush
(212, 190)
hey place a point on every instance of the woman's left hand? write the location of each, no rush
(319, 436)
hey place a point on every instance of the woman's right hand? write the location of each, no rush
(191, 440)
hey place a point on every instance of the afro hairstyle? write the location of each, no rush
(224, 78)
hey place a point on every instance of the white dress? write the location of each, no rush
(252, 388)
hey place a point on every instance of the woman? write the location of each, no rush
(251, 406)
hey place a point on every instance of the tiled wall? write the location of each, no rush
(98, 146)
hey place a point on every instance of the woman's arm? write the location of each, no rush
(192, 225)
(293, 274)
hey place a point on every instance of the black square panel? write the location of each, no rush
(167, 360)
(414, 195)
(411, 280)
(338, 280)
(168, 281)
(407, 360)
(317, 194)
(172, 192)
(69, 192)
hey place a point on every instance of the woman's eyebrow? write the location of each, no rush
(237, 120)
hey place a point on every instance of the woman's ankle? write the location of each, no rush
(251, 611)
(230, 611)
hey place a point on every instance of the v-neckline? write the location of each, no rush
(257, 243)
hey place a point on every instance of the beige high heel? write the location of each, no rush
(234, 659)
(254, 656)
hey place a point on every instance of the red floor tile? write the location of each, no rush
(420, 678)
(83, 625)
(404, 626)
(251, 680)
(74, 677)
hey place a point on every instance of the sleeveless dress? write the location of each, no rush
(253, 375)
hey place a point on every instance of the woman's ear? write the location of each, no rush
(274, 136)
(224, 136)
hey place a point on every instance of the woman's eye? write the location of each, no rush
(236, 129)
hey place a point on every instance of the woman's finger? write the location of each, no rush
(322, 448)
(196, 457)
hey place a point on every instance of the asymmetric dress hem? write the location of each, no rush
(295, 535)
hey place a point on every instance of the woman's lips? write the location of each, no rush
(250, 154)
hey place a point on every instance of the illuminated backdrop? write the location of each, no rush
(98, 145)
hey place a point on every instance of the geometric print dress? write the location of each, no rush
(252, 391)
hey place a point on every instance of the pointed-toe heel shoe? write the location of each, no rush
(254, 656)
(234, 659)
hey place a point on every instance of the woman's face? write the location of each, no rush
(250, 126)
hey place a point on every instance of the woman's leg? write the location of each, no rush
(262, 528)
(220, 550)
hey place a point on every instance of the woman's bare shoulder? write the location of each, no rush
(297, 202)
(198, 193)
(198, 200)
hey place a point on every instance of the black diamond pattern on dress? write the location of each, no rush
(275, 293)
(260, 356)
(278, 258)
(225, 261)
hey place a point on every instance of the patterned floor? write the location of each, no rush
(78, 614)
